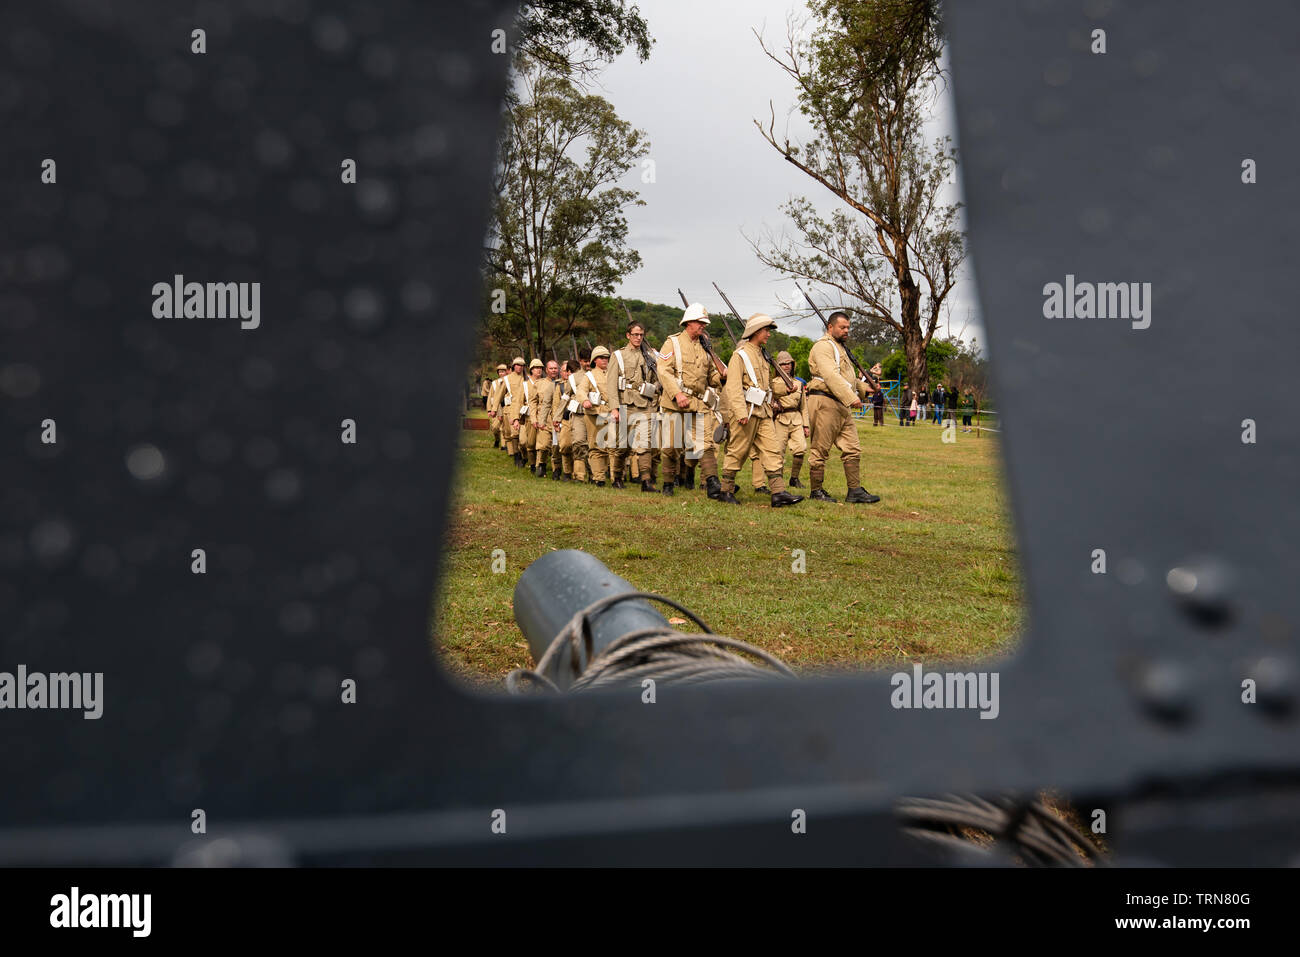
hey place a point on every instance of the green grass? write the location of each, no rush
(928, 573)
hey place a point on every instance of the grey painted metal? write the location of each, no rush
(559, 585)
(221, 690)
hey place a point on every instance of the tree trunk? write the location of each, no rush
(918, 370)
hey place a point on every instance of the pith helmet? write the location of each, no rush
(517, 361)
(759, 320)
(501, 367)
(784, 358)
(535, 364)
(695, 313)
(599, 351)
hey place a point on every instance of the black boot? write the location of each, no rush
(557, 475)
(648, 486)
(794, 482)
(713, 485)
(496, 441)
(762, 490)
(618, 483)
(689, 481)
(820, 495)
(785, 498)
(540, 471)
(600, 484)
(727, 497)
(861, 495)
(668, 488)
(519, 461)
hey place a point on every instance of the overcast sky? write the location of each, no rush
(706, 80)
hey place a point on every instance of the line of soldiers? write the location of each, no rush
(630, 415)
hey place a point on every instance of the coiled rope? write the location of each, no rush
(664, 654)
(1029, 829)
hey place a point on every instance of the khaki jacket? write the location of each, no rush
(585, 380)
(734, 406)
(559, 396)
(512, 396)
(789, 408)
(634, 372)
(828, 375)
(541, 394)
(495, 391)
(685, 366)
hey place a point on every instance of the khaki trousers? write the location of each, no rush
(832, 426)
(686, 438)
(756, 434)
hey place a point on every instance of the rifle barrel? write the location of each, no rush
(789, 382)
(875, 383)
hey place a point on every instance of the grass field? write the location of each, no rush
(928, 573)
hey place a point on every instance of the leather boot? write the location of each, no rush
(617, 483)
(556, 475)
(794, 482)
(668, 488)
(785, 498)
(648, 486)
(727, 497)
(713, 485)
(821, 495)
(762, 490)
(861, 495)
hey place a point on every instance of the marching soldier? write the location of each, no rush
(596, 411)
(630, 389)
(833, 393)
(789, 419)
(747, 400)
(527, 432)
(514, 398)
(495, 391)
(573, 461)
(555, 415)
(540, 398)
(690, 382)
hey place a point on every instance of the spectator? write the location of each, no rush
(939, 398)
(922, 405)
(912, 409)
(967, 409)
(878, 408)
(902, 404)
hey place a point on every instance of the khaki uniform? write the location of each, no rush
(541, 399)
(512, 398)
(757, 432)
(557, 414)
(686, 435)
(833, 386)
(495, 392)
(637, 416)
(789, 419)
(573, 431)
(599, 441)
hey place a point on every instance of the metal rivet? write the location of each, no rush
(1202, 587)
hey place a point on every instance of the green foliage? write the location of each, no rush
(573, 36)
(938, 354)
(558, 230)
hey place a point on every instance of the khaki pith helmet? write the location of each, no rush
(695, 312)
(599, 351)
(516, 361)
(535, 364)
(502, 367)
(759, 320)
(784, 358)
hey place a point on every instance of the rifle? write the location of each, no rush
(574, 344)
(871, 380)
(789, 382)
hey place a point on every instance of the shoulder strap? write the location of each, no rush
(619, 356)
(749, 367)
